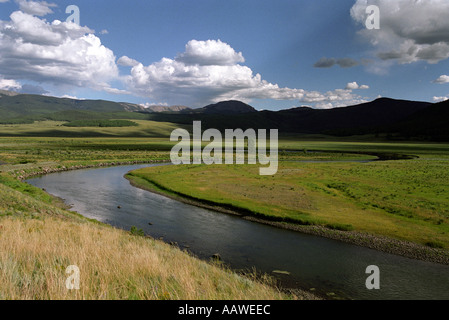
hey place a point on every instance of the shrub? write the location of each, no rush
(340, 227)
(136, 232)
(101, 123)
(434, 244)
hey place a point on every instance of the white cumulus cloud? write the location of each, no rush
(355, 86)
(38, 8)
(7, 84)
(440, 99)
(442, 79)
(210, 52)
(211, 71)
(127, 62)
(352, 86)
(410, 30)
(54, 52)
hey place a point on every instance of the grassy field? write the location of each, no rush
(401, 199)
(40, 129)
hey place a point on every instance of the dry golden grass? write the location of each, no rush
(34, 255)
(39, 240)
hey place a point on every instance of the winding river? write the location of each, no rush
(330, 267)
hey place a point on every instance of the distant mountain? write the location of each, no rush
(365, 117)
(397, 118)
(27, 104)
(401, 118)
(15, 107)
(158, 108)
(27, 107)
(357, 119)
(432, 121)
(131, 107)
(224, 107)
(8, 93)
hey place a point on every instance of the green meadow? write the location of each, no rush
(400, 199)
(144, 128)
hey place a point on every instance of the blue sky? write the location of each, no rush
(271, 54)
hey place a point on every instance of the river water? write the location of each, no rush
(332, 268)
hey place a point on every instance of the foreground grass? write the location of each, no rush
(34, 255)
(406, 199)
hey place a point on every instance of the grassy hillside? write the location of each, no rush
(25, 108)
(29, 104)
(58, 129)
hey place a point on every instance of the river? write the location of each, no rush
(332, 268)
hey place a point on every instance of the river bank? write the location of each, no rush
(376, 242)
(34, 172)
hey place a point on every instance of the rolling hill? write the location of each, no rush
(223, 108)
(397, 118)
(159, 108)
(432, 121)
(383, 115)
(33, 107)
(27, 108)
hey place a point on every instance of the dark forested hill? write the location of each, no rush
(224, 107)
(383, 115)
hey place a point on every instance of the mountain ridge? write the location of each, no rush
(161, 108)
(224, 107)
(405, 118)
